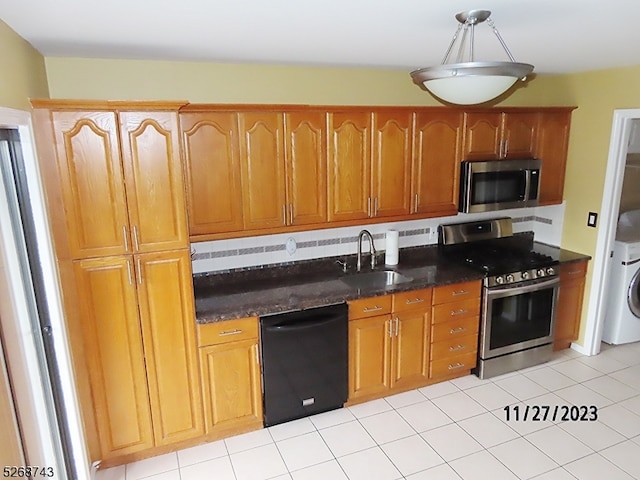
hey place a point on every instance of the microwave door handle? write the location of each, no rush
(527, 184)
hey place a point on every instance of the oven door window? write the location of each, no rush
(498, 187)
(522, 318)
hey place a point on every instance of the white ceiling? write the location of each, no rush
(556, 36)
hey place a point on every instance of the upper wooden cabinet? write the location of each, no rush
(551, 148)
(112, 167)
(306, 167)
(499, 135)
(349, 191)
(391, 163)
(212, 171)
(436, 169)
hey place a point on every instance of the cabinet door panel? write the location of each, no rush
(306, 154)
(369, 350)
(482, 136)
(349, 166)
(436, 170)
(520, 132)
(212, 172)
(114, 354)
(93, 188)
(392, 158)
(231, 385)
(410, 349)
(153, 172)
(552, 147)
(168, 325)
(263, 174)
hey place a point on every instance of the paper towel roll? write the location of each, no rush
(391, 248)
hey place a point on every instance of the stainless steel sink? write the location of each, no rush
(376, 279)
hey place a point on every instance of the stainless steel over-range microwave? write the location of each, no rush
(499, 184)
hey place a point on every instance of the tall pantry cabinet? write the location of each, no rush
(115, 195)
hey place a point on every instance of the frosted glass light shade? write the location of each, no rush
(469, 90)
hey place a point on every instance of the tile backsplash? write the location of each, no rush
(219, 255)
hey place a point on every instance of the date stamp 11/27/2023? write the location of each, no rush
(553, 413)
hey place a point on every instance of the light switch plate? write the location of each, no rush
(592, 219)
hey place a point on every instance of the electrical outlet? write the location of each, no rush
(592, 219)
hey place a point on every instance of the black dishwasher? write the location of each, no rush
(304, 362)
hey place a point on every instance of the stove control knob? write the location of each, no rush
(540, 272)
(525, 275)
(509, 278)
(499, 279)
(551, 271)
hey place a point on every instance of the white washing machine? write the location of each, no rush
(622, 320)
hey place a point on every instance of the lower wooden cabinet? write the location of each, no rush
(142, 364)
(230, 376)
(389, 349)
(569, 309)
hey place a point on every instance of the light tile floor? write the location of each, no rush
(451, 430)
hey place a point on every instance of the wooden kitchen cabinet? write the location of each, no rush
(121, 180)
(552, 147)
(306, 167)
(349, 178)
(139, 332)
(436, 170)
(167, 312)
(212, 171)
(388, 350)
(230, 376)
(570, 298)
(392, 157)
(454, 330)
(263, 169)
(115, 358)
(499, 135)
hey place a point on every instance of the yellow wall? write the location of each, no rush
(597, 95)
(23, 74)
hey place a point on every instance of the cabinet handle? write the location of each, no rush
(453, 331)
(416, 202)
(456, 348)
(375, 207)
(397, 326)
(291, 214)
(460, 292)
(415, 300)
(125, 236)
(390, 330)
(135, 238)
(506, 148)
(368, 206)
(284, 214)
(140, 279)
(462, 311)
(372, 309)
(129, 272)
(455, 366)
(230, 332)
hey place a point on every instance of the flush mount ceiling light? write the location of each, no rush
(470, 82)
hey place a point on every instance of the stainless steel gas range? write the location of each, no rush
(519, 295)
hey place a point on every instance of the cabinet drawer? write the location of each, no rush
(369, 307)
(452, 365)
(450, 311)
(454, 346)
(227, 331)
(573, 271)
(412, 300)
(447, 331)
(456, 292)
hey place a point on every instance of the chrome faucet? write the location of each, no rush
(361, 235)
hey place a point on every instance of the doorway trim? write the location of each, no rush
(618, 146)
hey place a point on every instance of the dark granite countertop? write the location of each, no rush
(312, 283)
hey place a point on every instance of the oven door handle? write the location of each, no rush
(509, 291)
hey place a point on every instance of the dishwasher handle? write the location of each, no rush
(313, 321)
